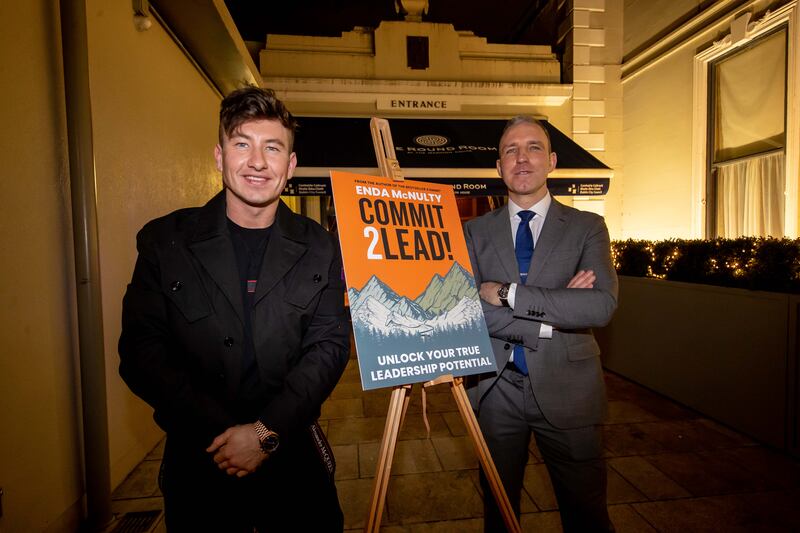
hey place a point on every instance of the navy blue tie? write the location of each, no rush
(523, 247)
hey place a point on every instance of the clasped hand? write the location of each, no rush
(237, 450)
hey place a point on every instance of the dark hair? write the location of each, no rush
(525, 119)
(253, 103)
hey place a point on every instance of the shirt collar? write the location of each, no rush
(540, 208)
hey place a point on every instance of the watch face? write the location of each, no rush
(270, 443)
(502, 292)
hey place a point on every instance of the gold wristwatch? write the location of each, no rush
(269, 439)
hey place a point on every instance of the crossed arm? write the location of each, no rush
(584, 279)
(560, 307)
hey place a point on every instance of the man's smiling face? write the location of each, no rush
(524, 163)
(256, 161)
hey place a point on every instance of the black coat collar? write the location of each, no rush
(212, 221)
(212, 246)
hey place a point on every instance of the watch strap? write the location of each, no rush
(268, 438)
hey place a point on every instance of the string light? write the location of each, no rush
(748, 262)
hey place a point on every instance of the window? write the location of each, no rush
(746, 139)
(417, 52)
(747, 159)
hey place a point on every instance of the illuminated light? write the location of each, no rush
(736, 262)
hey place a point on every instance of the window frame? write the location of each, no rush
(711, 230)
(744, 33)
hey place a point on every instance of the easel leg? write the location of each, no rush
(394, 419)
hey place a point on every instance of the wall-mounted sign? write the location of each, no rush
(308, 187)
(465, 186)
(578, 186)
(417, 103)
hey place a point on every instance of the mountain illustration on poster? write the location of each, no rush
(443, 305)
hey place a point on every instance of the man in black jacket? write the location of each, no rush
(234, 331)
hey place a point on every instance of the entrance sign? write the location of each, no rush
(416, 103)
(414, 305)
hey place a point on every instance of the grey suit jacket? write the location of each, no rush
(565, 371)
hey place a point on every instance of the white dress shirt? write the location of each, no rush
(540, 208)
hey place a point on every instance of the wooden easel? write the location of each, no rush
(389, 166)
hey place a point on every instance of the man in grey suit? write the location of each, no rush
(545, 277)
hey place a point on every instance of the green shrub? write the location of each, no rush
(744, 262)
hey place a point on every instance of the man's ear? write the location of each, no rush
(553, 161)
(218, 156)
(499, 170)
(292, 166)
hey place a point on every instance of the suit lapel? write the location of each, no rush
(554, 225)
(500, 237)
(212, 247)
(287, 244)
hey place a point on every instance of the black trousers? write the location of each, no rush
(291, 491)
(508, 415)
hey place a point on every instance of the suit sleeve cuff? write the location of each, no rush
(512, 293)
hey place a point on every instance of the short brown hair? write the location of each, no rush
(253, 103)
(525, 119)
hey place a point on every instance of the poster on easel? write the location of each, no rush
(414, 305)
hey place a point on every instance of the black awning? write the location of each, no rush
(461, 150)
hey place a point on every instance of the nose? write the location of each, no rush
(522, 155)
(257, 160)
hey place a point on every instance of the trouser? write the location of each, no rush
(291, 491)
(508, 414)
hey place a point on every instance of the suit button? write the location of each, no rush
(176, 286)
(228, 341)
(506, 346)
(317, 278)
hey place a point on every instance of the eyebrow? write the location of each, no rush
(276, 141)
(538, 143)
(238, 133)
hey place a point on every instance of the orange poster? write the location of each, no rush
(413, 301)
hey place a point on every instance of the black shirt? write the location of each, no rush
(249, 245)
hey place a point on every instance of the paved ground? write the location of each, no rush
(669, 469)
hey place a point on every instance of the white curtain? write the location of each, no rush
(750, 196)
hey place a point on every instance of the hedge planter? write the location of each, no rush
(731, 354)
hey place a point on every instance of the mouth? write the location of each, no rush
(256, 180)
